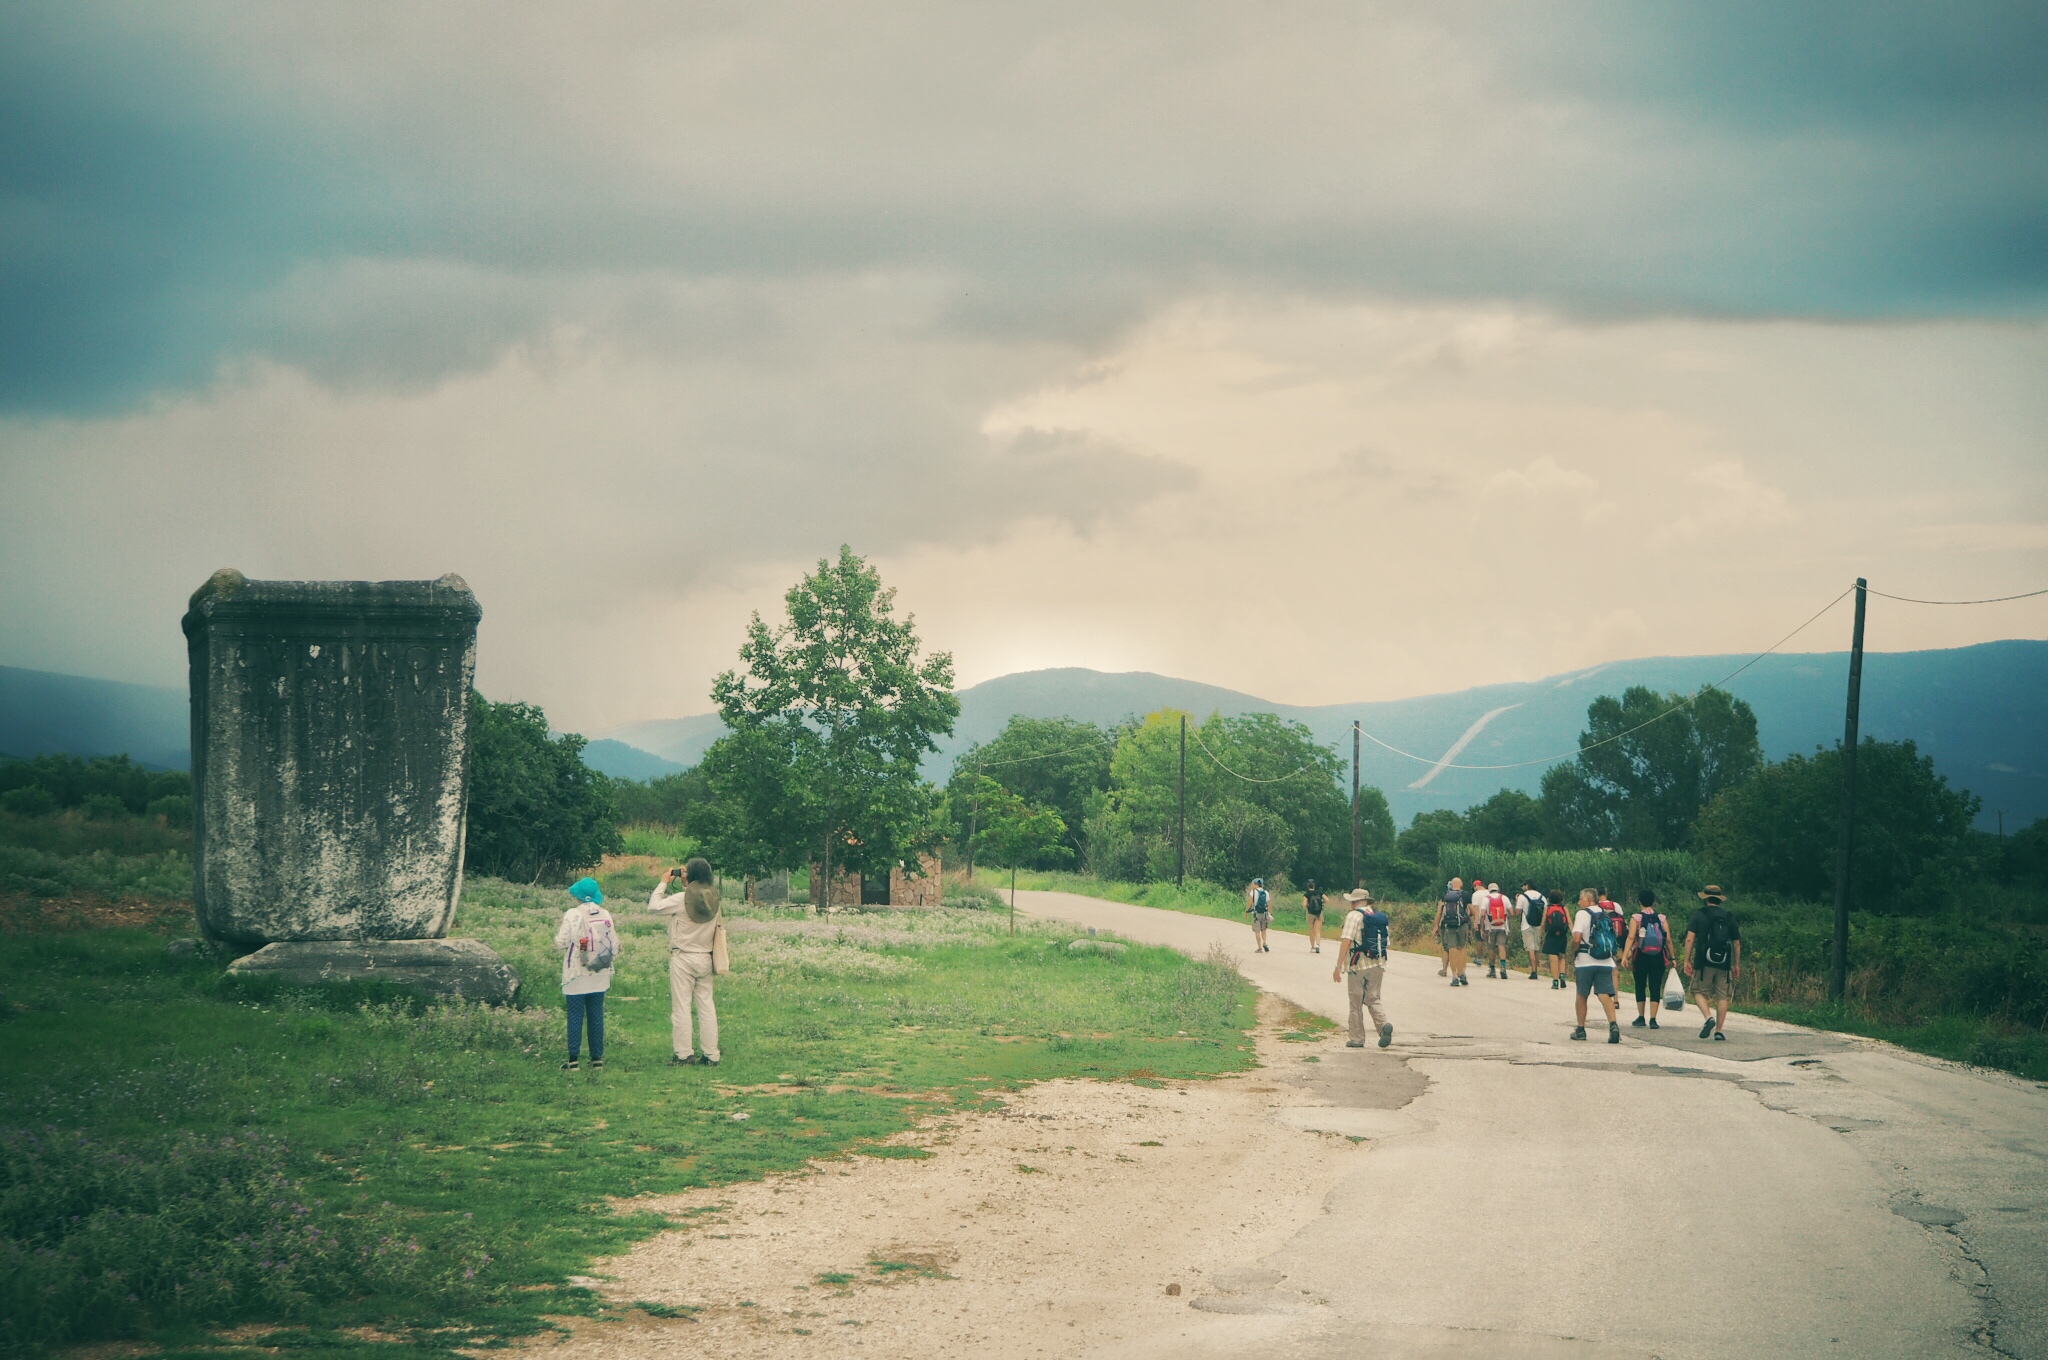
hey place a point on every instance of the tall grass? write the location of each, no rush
(1674, 875)
(662, 842)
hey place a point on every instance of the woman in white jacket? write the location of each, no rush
(589, 944)
(689, 898)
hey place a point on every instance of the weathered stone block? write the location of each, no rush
(330, 756)
(445, 970)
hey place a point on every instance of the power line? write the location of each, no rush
(1996, 599)
(1042, 755)
(1687, 703)
(1197, 735)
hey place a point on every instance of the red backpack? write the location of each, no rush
(1497, 911)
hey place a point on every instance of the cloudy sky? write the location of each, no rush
(1328, 352)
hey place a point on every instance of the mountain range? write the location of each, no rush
(1981, 712)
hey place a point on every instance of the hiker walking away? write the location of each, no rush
(589, 943)
(1713, 960)
(1259, 906)
(1494, 919)
(1364, 966)
(1599, 944)
(1312, 903)
(1648, 955)
(1530, 903)
(1454, 931)
(1443, 968)
(689, 898)
(1557, 938)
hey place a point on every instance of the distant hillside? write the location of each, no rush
(621, 761)
(1981, 712)
(42, 712)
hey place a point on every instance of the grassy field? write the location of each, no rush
(182, 1153)
(1960, 990)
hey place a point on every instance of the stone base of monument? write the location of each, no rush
(443, 970)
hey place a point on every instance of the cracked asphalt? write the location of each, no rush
(1786, 1192)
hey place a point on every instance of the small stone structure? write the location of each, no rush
(904, 889)
(921, 889)
(330, 771)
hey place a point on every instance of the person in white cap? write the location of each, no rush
(1363, 966)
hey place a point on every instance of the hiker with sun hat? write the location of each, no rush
(1363, 966)
(1713, 960)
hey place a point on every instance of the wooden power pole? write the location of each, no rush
(1356, 881)
(1845, 841)
(1180, 832)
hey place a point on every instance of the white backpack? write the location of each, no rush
(603, 950)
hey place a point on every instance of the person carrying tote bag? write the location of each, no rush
(689, 898)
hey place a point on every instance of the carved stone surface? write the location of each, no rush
(330, 756)
(443, 969)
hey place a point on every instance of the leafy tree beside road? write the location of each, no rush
(1640, 780)
(1059, 763)
(1777, 831)
(828, 721)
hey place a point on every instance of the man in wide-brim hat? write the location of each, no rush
(1363, 966)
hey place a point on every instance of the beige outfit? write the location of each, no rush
(1362, 979)
(689, 971)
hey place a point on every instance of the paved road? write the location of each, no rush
(1784, 1193)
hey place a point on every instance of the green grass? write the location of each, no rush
(69, 855)
(455, 1130)
(1411, 921)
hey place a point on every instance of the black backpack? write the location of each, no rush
(1532, 908)
(1454, 911)
(1719, 945)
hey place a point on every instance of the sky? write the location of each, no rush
(1323, 351)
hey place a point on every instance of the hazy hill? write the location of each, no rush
(1981, 712)
(42, 712)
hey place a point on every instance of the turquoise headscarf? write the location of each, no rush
(586, 890)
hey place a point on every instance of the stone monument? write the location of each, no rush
(330, 772)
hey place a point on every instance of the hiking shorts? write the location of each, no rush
(1459, 937)
(1595, 979)
(1713, 984)
(1532, 940)
(1262, 920)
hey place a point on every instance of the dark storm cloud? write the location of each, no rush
(386, 195)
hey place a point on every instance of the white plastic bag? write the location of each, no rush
(1674, 991)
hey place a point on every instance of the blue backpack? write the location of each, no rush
(1600, 942)
(1259, 902)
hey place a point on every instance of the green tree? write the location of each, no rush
(1429, 831)
(829, 719)
(1641, 779)
(1060, 763)
(675, 799)
(1263, 799)
(1777, 832)
(1510, 820)
(1015, 830)
(536, 811)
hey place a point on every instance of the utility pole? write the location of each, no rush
(1180, 831)
(1356, 881)
(1838, 974)
(973, 813)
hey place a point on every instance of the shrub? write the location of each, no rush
(100, 1240)
(535, 809)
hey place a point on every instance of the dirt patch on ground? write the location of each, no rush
(1082, 1215)
(89, 911)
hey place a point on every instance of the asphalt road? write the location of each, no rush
(1783, 1193)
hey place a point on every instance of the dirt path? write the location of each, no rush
(1084, 1215)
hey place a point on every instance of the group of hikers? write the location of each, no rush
(588, 940)
(1600, 938)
